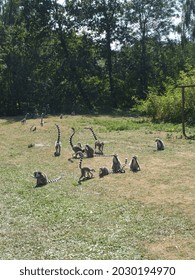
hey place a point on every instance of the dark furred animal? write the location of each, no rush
(89, 151)
(159, 144)
(23, 121)
(33, 128)
(103, 171)
(116, 165)
(42, 120)
(86, 172)
(58, 144)
(134, 164)
(76, 148)
(42, 179)
(98, 144)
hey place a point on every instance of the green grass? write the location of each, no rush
(148, 215)
(124, 123)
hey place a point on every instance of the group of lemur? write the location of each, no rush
(87, 151)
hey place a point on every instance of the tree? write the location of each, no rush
(186, 28)
(148, 19)
(86, 54)
(102, 21)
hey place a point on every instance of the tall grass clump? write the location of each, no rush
(167, 107)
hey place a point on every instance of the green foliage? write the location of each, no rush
(186, 27)
(88, 56)
(167, 107)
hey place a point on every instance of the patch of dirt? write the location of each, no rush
(39, 145)
(171, 248)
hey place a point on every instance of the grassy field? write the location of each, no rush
(144, 215)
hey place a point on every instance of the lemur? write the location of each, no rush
(89, 151)
(42, 179)
(159, 144)
(116, 165)
(42, 120)
(33, 128)
(58, 144)
(103, 171)
(23, 121)
(76, 148)
(134, 164)
(86, 172)
(98, 143)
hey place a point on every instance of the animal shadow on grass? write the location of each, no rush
(84, 179)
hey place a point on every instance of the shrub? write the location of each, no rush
(167, 107)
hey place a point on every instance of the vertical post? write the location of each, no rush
(183, 107)
(183, 111)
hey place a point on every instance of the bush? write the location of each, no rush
(167, 107)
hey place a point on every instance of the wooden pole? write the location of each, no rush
(183, 112)
(183, 107)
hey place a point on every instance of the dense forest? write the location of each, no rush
(93, 56)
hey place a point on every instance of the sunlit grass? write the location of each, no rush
(121, 216)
